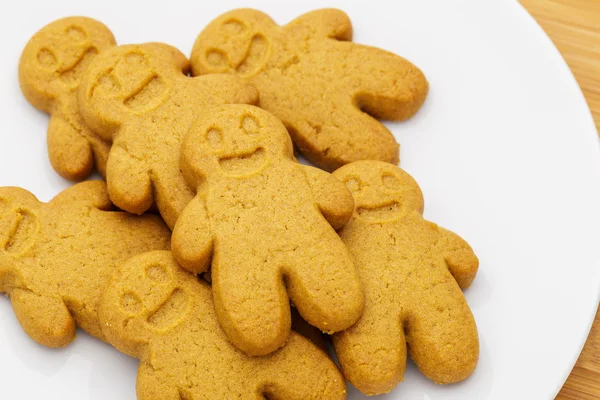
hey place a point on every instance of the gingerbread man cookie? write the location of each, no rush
(50, 71)
(328, 91)
(267, 223)
(155, 311)
(413, 272)
(138, 97)
(56, 257)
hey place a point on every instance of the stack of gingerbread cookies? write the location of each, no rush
(208, 251)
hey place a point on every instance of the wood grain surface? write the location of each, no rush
(574, 27)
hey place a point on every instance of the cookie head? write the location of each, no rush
(382, 192)
(237, 42)
(234, 140)
(56, 57)
(144, 300)
(19, 223)
(127, 80)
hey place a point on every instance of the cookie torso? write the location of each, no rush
(270, 212)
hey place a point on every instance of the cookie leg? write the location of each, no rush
(70, 153)
(372, 353)
(192, 239)
(128, 178)
(386, 86)
(441, 333)
(300, 371)
(349, 135)
(46, 320)
(152, 386)
(252, 305)
(325, 288)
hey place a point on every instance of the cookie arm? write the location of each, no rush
(332, 197)
(69, 152)
(46, 320)
(325, 22)
(192, 241)
(459, 256)
(93, 193)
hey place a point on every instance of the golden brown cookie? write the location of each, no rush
(56, 257)
(412, 271)
(267, 223)
(138, 97)
(328, 91)
(50, 71)
(155, 311)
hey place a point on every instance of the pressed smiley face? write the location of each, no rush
(237, 42)
(382, 192)
(130, 80)
(58, 55)
(236, 140)
(126, 81)
(19, 225)
(148, 296)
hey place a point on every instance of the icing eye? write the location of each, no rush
(157, 273)
(76, 33)
(391, 182)
(354, 184)
(46, 57)
(216, 58)
(233, 27)
(131, 303)
(249, 124)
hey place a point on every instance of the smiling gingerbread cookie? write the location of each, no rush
(56, 257)
(267, 223)
(413, 272)
(137, 97)
(155, 311)
(50, 71)
(328, 91)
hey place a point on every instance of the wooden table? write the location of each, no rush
(574, 26)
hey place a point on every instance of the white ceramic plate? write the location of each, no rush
(505, 150)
